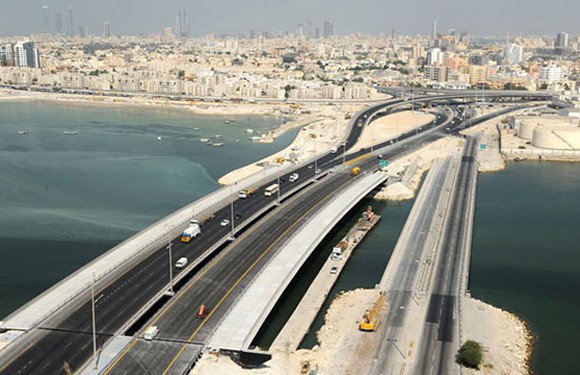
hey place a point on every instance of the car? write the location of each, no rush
(379, 156)
(310, 166)
(202, 312)
(224, 222)
(318, 171)
(362, 149)
(282, 180)
(293, 177)
(334, 270)
(238, 216)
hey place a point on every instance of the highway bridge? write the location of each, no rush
(129, 301)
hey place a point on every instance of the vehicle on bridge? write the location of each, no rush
(271, 190)
(191, 232)
(203, 311)
(181, 262)
(151, 333)
(243, 194)
(293, 177)
(355, 171)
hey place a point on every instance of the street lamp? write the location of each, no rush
(169, 245)
(343, 152)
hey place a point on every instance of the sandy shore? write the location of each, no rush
(505, 353)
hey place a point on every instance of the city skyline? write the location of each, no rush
(367, 17)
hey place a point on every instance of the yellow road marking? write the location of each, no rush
(247, 271)
(358, 159)
(15, 358)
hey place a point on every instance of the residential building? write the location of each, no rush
(551, 73)
(435, 56)
(513, 53)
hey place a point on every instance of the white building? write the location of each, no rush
(513, 53)
(551, 73)
(25, 55)
(434, 56)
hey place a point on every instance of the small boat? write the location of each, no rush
(196, 129)
(237, 141)
(23, 132)
(209, 143)
(519, 158)
(159, 138)
(219, 136)
(218, 144)
(70, 133)
(227, 121)
(204, 140)
(250, 131)
(255, 139)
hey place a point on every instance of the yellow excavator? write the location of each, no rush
(370, 323)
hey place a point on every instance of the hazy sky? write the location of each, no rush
(23, 17)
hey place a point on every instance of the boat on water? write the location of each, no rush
(255, 139)
(219, 136)
(217, 144)
(196, 129)
(227, 121)
(70, 133)
(209, 143)
(23, 132)
(250, 131)
(159, 138)
(204, 140)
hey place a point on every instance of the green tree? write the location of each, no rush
(470, 354)
(544, 86)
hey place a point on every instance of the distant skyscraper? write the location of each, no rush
(328, 29)
(82, 31)
(106, 29)
(434, 30)
(562, 40)
(58, 23)
(317, 32)
(70, 24)
(182, 25)
(45, 19)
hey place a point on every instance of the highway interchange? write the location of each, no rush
(64, 340)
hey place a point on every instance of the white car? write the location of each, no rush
(224, 222)
(293, 177)
(334, 270)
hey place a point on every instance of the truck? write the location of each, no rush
(181, 262)
(151, 333)
(191, 232)
(338, 250)
(355, 171)
(243, 194)
(294, 177)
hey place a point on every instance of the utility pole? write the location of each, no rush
(169, 244)
(343, 152)
(278, 188)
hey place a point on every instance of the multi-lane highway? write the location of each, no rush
(64, 340)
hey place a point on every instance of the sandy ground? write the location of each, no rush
(317, 137)
(388, 127)
(505, 353)
(416, 164)
(339, 336)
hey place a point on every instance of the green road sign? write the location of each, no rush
(483, 146)
(384, 163)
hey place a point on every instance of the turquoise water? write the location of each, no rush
(526, 255)
(65, 199)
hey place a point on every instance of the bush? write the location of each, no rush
(470, 354)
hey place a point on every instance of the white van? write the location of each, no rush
(271, 190)
(293, 177)
(181, 262)
(333, 150)
(151, 333)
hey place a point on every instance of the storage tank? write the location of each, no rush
(527, 129)
(557, 137)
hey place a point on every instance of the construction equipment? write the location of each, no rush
(370, 318)
(355, 171)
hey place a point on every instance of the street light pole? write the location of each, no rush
(278, 188)
(343, 152)
(169, 244)
(232, 212)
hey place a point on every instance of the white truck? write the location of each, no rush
(191, 232)
(294, 177)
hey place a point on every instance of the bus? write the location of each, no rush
(271, 190)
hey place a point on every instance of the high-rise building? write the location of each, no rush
(7, 55)
(562, 40)
(434, 56)
(45, 19)
(106, 29)
(182, 25)
(25, 55)
(551, 73)
(513, 53)
(327, 29)
(434, 30)
(83, 31)
(58, 22)
(69, 18)
(317, 32)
